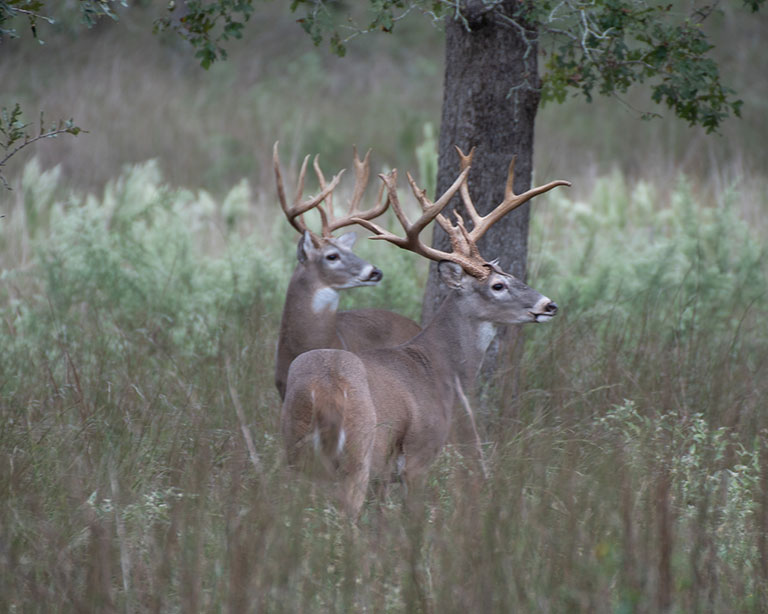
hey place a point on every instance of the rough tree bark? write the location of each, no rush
(490, 97)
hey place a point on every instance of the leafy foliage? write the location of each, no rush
(603, 46)
(608, 46)
(207, 24)
(15, 136)
(42, 10)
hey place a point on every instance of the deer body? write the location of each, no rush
(388, 410)
(310, 318)
(326, 264)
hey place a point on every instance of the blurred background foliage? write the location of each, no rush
(127, 86)
(142, 273)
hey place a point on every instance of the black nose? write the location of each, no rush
(551, 308)
(375, 275)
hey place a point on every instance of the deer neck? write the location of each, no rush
(458, 340)
(309, 313)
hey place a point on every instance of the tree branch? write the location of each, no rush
(13, 129)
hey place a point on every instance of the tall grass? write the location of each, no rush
(628, 473)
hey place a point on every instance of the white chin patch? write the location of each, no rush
(542, 317)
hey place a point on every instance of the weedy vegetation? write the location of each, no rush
(627, 474)
(628, 463)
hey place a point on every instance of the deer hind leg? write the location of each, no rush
(413, 465)
(412, 472)
(352, 491)
(357, 458)
(356, 472)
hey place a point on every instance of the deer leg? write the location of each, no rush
(412, 471)
(475, 435)
(355, 475)
(352, 490)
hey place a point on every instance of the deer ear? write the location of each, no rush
(451, 273)
(347, 240)
(305, 246)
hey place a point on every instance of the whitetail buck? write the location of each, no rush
(388, 410)
(326, 265)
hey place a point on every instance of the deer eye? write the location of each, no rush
(332, 256)
(498, 287)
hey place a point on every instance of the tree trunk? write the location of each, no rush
(490, 97)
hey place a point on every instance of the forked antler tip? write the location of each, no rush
(390, 178)
(366, 157)
(466, 159)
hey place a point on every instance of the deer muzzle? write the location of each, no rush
(374, 276)
(544, 310)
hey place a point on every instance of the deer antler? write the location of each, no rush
(294, 212)
(480, 224)
(328, 221)
(362, 173)
(464, 251)
(466, 258)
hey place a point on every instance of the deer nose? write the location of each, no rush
(550, 308)
(375, 275)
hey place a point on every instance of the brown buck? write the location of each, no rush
(326, 265)
(386, 411)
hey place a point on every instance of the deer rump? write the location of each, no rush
(341, 424)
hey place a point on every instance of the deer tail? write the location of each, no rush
(329, 435)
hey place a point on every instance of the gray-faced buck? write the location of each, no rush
(325, 265)
(388, 410)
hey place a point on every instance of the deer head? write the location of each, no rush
(330, 259)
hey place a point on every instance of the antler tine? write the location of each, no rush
(362, 173)
(430, 211)
(298, 224)
(511, 201)
(321, 181)
(389, 182)
(411, 241)
(326, 217)
(295, 211)
(465, 160)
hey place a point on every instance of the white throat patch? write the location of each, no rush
(325, 299)
(485, 335)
